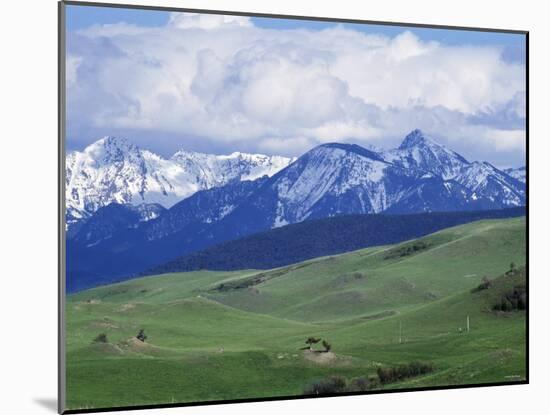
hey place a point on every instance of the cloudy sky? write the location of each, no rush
(219, 84)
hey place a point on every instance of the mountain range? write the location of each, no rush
(114, 170)
(223, 198)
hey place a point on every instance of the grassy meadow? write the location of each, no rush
(237, 335)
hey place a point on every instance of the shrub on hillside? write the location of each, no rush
(406, 250)
(397, 373)
(362, 384)
(141, 335)
(338, 384)
(513, 300)
(332, 384)
(101, 338)
(485, 284)
(358, 275)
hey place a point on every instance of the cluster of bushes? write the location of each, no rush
(485, 284)
(363, 383)
(102, 337)
(512, 269)
(513, 300)
(407, 250)
(332, 384)
(247, 282)
(241, 284)
(310, 341)
(397, 373)
(339, 384)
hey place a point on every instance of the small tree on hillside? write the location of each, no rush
(327, 346)
(311, 341)
(141, 335)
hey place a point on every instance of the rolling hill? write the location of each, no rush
(91, 265)
(216, 335)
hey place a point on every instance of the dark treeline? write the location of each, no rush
(314, 238)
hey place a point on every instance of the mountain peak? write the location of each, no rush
(111, 140)
(418, 151)
(110, 145)
(414, 138)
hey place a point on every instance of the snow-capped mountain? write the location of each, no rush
(328, 180)
(487, 182)
(419, 176)
(418, 152)
(518, 173)
(114, 170)
(216, 170)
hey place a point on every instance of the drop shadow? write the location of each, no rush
(48, 403)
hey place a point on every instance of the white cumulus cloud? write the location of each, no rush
(221, 78)
(207, 21)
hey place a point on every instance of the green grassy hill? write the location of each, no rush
(232, 335)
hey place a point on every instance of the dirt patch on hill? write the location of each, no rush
(321, 358)
(108, 348)
(104, 324)
(126, 307)
(137, 346)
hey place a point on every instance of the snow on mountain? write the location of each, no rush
(215, 170)
(486, 181)
(419, 176)
(148, 211)
(419, 152)
(517, 173)
(331, 179)
(331, 171)
(114, 170)
(433, 194)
